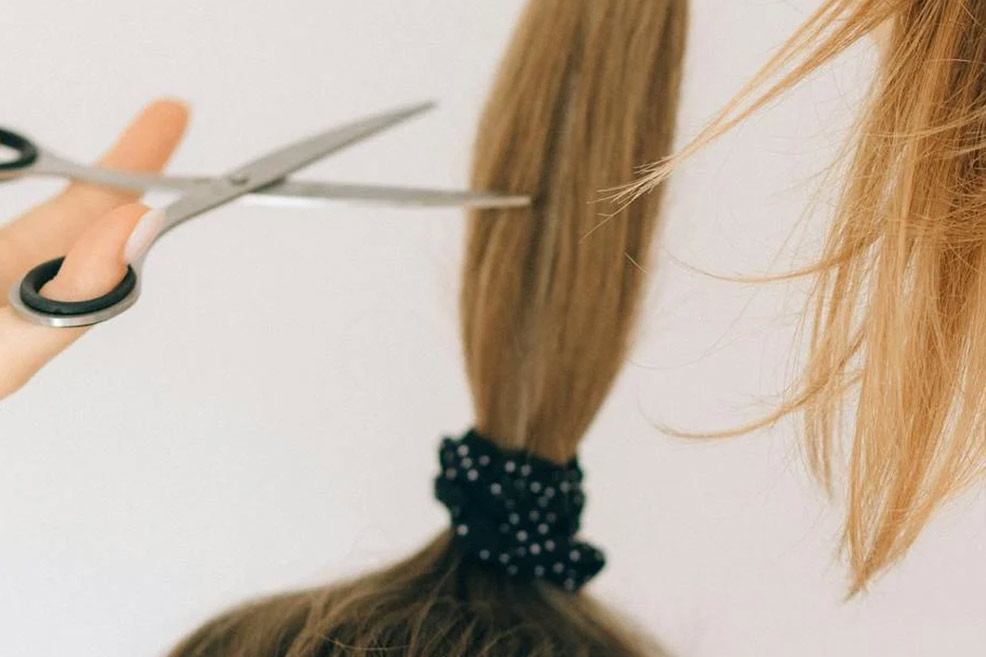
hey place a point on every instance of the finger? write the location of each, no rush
(50, 229)
(94, 265)
(145, 146)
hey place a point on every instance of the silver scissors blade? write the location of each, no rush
(279, 163)
(318, 192)
(286, 159)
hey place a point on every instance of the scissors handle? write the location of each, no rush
(27, 293)
(27, 152)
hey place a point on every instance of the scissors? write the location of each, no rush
(262, 176)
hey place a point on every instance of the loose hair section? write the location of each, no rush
(899, 304)
(587, 91)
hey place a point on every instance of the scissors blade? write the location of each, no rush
(321, 191)
(279, 163)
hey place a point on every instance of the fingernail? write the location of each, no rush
(143, 235)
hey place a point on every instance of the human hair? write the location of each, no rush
(898, 307)
(586, 92)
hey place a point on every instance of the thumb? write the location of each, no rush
(94, 265)
(98, 259)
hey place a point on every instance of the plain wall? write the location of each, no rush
(267, 416)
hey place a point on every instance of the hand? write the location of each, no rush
(91, 226)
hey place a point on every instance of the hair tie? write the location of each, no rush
(515, 511)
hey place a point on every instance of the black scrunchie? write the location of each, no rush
(516, 511)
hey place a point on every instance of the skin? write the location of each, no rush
(90, 225)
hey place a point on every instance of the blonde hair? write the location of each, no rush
(899, 303)
(586, 92)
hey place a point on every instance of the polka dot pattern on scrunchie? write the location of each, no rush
(515, 511)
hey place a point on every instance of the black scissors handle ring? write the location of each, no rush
(34, 280)
(27, 152)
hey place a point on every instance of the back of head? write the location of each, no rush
(586, 92)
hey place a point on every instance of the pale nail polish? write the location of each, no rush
(142, 235)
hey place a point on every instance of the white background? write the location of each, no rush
(266, 417)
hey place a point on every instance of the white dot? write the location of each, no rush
(534, 515)
(484, 554)
(513, 518)
(504, 557)
(549, 545)
(543, 502)
(509, 466)
(484, 460)
(511, 570)
(569, 585)
(521, 535)
(496, 489)
(535, 548)
(462, 530)
(574, 555)
(472, 475)
(466, 462)
(549, 491)
(542, 528)
(535, 487)
(525, 469)
(539, 571)
(463, 450)
(559, 567)
(450, 473)
(563, 486)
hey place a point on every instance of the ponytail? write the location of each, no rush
(586, 92)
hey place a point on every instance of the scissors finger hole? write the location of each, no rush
(31, 284)
(8, 154)
(16, 152)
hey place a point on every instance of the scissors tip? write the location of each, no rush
(396, 116)
(424, 106)
(400, 114)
